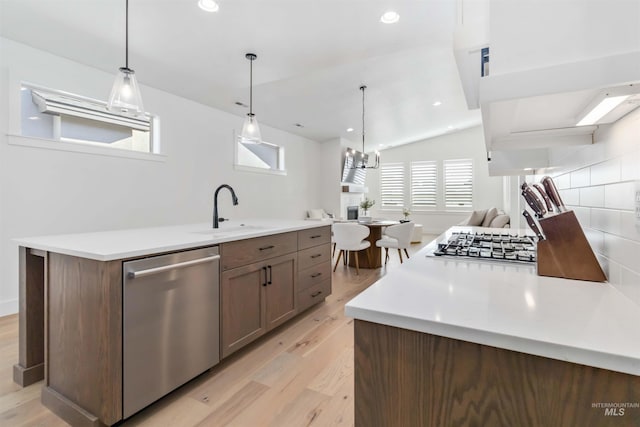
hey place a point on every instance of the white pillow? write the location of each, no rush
(490, 215)
(315, 213)
(476, 218)
(500, 221)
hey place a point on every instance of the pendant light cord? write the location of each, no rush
(251, 87)
(126, 37)
(362, 88)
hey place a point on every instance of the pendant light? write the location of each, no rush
(362, 164)
(125, 94)
(250, 129)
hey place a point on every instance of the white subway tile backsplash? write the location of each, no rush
(629, 284)
(570, 197)
(620, 196)
(595, 238)
(563, 181)
(606, 220)
(624, 251)
(580, 178)
(598, 182)
(628, 228)
(630, 166)
(614, 273)
(592, 196)
(606, 172)
(583, 215)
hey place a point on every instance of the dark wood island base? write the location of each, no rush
(407, 378)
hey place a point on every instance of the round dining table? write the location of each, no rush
(373, 252)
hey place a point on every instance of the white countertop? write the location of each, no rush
(119, 244)
(508, 306)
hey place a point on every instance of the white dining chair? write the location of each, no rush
(349, 237)
(397, 237)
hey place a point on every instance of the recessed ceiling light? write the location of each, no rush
(449, 127)
(298, 125)
(34, 118)
(208, 5)
(435, 104)
(390, 17)
(240, 104)
(350, 130)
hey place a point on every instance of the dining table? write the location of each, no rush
(372, 256)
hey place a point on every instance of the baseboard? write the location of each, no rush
(8, 307)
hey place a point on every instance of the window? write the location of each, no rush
(262, 157)
(62, 116)
(458, 183)
(424, 184)
(392, 184)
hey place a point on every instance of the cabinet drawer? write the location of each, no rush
(313, 256)
(314, 237)
(243, 252)
(313, 295)
(314, 274)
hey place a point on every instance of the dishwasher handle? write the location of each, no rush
(155, 270)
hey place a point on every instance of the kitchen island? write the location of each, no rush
(113, 320)
(444, 341)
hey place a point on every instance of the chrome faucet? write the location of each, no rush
(215, 203)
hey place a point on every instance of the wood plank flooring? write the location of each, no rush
(301, 374)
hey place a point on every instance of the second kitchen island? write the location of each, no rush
(461, 342)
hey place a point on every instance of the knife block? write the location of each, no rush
(565, 252)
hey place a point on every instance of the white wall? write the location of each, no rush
(468, 143)
(599, 183)
(527, 34)
(50, 192)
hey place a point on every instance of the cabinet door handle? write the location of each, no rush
(316, 255)
(316, 275)
(264, 248)
(315, 294)
(270, 275)
(265, 276)
(315, 236)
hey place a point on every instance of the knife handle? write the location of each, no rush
(533, 200)
(552, 191)
(545, 197)
(532, 224)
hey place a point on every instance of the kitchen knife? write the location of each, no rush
(552, 191)
(533, 200)
(545, 197)
(533, 225)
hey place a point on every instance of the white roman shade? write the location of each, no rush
(61, 104)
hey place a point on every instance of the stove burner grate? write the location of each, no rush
(492, 246)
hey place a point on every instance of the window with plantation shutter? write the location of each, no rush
(424, 184)
(458, 183)
(392, 184)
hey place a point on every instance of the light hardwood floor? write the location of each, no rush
(301, 374)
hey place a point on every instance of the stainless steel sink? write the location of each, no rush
(234, 229)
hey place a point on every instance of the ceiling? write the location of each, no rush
(312, 58)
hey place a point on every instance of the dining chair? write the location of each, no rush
(398, 237)
(350, 237)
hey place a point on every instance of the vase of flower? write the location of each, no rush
(405, 212)
(366, 204)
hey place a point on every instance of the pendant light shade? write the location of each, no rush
(250, 128)
(363, 164)
(125, 94)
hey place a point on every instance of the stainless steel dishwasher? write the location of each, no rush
(171, 323)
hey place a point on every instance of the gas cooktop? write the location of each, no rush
(489, 246)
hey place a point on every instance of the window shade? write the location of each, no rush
(424, 184)
(83, 107)
(392, 184)
(458, 183)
